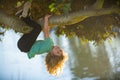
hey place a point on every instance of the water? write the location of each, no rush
(86, 61)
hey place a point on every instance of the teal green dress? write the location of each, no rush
(40, 46)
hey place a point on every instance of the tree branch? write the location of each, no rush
(72, 18)
(14, 23)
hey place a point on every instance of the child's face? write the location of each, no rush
(57, 51)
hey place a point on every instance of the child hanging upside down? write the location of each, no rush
(55, 58)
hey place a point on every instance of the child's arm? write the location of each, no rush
(46, 26)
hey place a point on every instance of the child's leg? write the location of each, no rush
(27, 40)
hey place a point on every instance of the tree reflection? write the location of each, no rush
(88, 63)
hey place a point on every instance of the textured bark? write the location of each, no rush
(79, 16)
(14, 23)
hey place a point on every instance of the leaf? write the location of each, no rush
(52, 5)
(18, 4)
(52, 9)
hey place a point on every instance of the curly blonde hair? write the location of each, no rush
(55, 63)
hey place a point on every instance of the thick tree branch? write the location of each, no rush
(79, 16)
(14, 23)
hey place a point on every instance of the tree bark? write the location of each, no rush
(14, 23)
(72, 18)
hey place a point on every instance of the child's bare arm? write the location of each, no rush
(46, 26)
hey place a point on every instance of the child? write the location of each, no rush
(27, 43)
(55, 57)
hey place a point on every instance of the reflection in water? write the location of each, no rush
(96, 62)
(86, 61)
(90, 65)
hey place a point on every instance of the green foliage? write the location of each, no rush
(97, 29)
(31, 1)
(60, 6)
(52, 7)
(98, 35)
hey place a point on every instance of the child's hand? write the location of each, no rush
(47, 16)
(46, 21)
